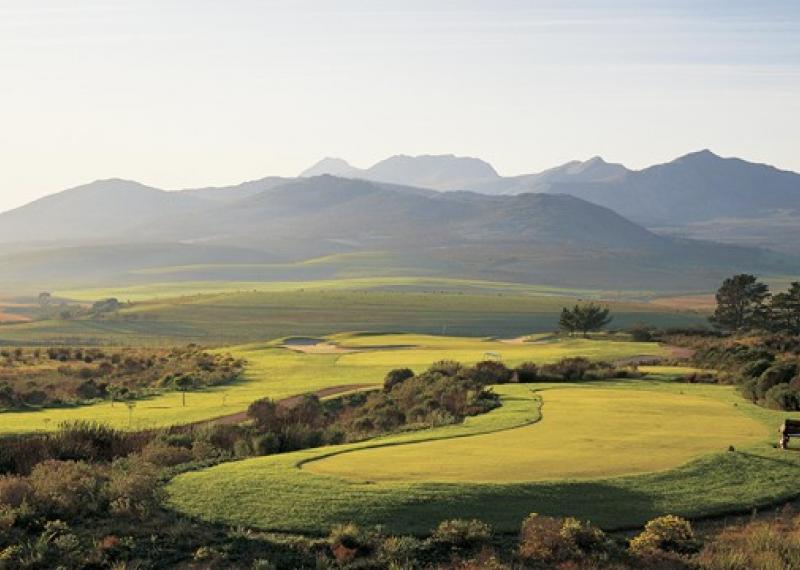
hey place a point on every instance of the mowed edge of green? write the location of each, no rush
(274, 493)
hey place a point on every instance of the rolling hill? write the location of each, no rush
(92, 212)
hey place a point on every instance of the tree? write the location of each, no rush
(741, 303)
(183, 384)
(567, 320)
(44, 299)
(584, 318)
(785, 309)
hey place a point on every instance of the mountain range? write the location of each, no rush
(431, 215)
(697, 195)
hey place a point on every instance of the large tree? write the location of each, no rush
(741, 303)
(785, 309)
(585, 318)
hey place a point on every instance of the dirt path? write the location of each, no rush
(240, 417)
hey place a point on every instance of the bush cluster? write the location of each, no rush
(766, 368)
(60, 375)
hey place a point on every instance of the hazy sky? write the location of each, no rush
(194, 92)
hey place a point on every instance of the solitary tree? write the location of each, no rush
(785, 309)
(741, 303)
(183, 384)
(585, 318)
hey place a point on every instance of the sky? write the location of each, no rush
(188, 93)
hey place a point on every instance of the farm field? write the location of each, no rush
(277, 372)
(215, 314)
(617, 453)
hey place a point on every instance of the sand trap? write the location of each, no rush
(314, 346)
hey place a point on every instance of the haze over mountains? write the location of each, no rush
(696, 195)
(560, 227)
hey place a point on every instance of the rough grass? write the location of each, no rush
(278, 493)
(277, 373)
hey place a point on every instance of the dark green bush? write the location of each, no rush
(395, 377)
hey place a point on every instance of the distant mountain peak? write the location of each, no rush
(704, 154)
(332, 166)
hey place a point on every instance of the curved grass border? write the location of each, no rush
(273, 493)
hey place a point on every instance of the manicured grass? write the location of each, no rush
(585, 433)
(277, 373)
(284, 493)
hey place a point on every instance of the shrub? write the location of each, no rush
(348, 542)
(460, 533)
(541, 540)
(748, 390)
(446, 367)
(67, 488)
(90, 441)
(399, 551)
(491, 372)
(782, 397)
(14, 491)
(758, 544)
(780, 373)
(395, 377)
(666, 534)
(587, 539)
(641, 333)
(133, 486)
(527, 372)
(264, 414)
(163, 455)
(756, 368)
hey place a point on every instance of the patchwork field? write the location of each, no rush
(277, 372)
(230, 313)
(617, 453)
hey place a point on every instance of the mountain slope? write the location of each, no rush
(696, 187)
(593, 170)
(127, 231)
(92, 211)
(236, 192)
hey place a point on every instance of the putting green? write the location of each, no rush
(584, 433)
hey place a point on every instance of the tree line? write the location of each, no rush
(745, 303)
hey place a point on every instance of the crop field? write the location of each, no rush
(231, 313)
(277, 372)
(617, 453)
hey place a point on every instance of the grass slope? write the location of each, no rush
(276, 493)
(214, 314)
(277, 373)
